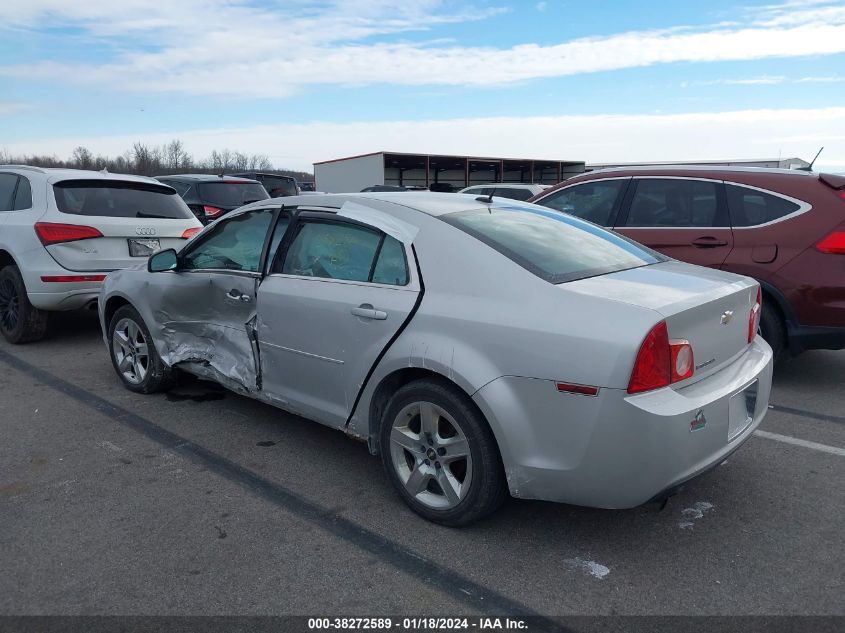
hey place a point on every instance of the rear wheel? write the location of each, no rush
(773, 329)
(440, 454)
(133, 354)
(20, 321)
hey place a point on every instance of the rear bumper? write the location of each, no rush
(616, 450)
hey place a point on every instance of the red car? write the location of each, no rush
(784, 228)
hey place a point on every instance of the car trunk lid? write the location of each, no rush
(708, 308)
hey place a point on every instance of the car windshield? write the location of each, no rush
(554, 246)
(231, 193)
(119, 199)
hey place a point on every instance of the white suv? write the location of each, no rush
(63, 230)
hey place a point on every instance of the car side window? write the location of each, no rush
(750, 207)
(592, 201)
(7, 191)
(332, 250)
(23, 196)
(675, 203)
(391, 266)
(234, 244)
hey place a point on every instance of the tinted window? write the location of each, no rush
(23, 197)
(181, 187)
(277, 186)
(513, 193)
(750, 207)
(231, 194)
(119, 199)
(332, 251)
(553, 246)
(674, 202)
(391, 267)
(7, 191)
(592, 201)
(234, 244)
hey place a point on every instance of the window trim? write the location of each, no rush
(618, 205)
(803, 207)
(721, 201)
(202, 239)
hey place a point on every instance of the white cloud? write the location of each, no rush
(596, 138)
(8, 108)
(541, 6)
(229, 47)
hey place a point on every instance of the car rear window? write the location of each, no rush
(230, 193)
(554, 246)
(278, 187)
(113, 198)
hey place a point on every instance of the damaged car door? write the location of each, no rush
(337, 293)
(215, 285)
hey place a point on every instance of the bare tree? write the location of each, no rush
(82, 158)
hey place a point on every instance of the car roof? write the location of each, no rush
(428, 202)
(57, 174)
(698, 169)
(204, 177)
(241, 174)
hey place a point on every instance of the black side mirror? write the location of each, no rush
(162, 261)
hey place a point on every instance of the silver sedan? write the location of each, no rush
(481, 346)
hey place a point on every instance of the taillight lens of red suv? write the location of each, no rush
(833, 243)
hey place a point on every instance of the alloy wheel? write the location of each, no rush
(431, 455)
(131, 351)
(9, 305)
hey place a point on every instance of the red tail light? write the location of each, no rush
(833, 243)
(211, 212)
(651, 369)
(189, 233)
(661, 362)
(754, 316)
(51, 233)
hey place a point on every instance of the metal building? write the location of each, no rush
(343, 175)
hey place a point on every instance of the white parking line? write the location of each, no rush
(824, 448)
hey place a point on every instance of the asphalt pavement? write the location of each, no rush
(203, 502)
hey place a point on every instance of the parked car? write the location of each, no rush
(785, 228)
(515, 191)
(306, 186)
(277, 186)
(384, 188)
(211, 197)
(538, 354)
(62, 230)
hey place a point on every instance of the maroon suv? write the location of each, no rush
(784, 228)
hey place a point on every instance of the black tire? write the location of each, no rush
(157, 376)
(487, 488)
(773, 330)
(20, 321)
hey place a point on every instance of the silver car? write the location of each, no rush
(482, 349)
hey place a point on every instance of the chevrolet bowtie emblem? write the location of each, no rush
(727, 315)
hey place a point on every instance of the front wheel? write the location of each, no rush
(440, 454)
(133, 354)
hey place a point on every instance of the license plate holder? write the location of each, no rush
(143, 247)
(743, 406)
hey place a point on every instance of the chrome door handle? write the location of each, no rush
(366, 311)
(237, 295)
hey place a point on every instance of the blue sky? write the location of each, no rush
(306, 80)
